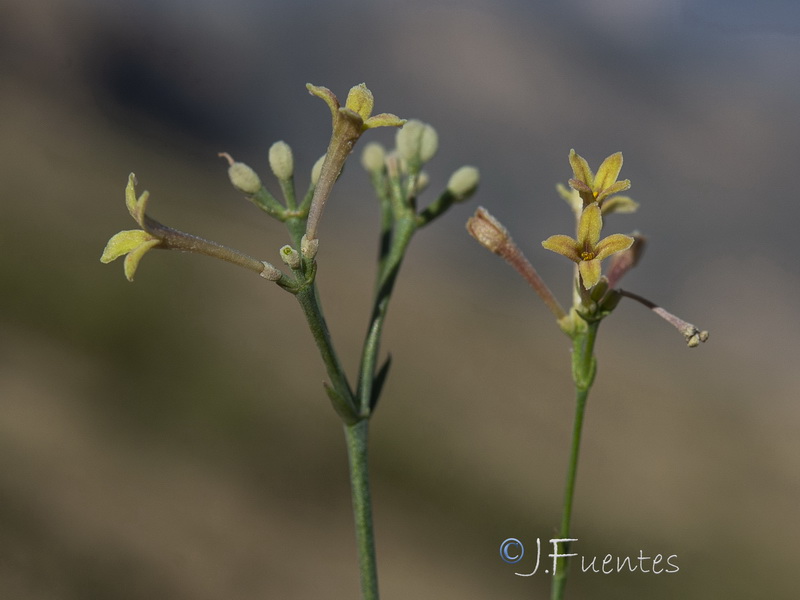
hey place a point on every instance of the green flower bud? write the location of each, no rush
(610, 301)
(316, 170)
(599, 290)
(429, 143)
(417, 141)
(291, 257)
(281, 160)
(242, 177)
(373, 157)
(463, 183)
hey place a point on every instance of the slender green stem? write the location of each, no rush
(357, 446)
(583, 370)
(356, 432)
(296, 227)
(387, 275)
(344, 402)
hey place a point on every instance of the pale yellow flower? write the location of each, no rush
(588, 250)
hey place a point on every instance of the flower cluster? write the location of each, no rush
(591, 197)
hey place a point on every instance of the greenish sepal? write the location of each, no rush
(609, 302)
(343, 407)
(289, 284)
(377, 385)
(599, 290)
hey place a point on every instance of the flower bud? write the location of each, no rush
(487, 230)
(242, 177)
(694, 338)
(610, 301)
(281, 160)
(599, 290)
(271, 272)
(373, 157)
(309, 247)
(417, 141)
(316, 170)
(290, 257)
(463, 183)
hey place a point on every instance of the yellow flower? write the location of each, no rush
(349, 122)
(598, 187)
(134, 243)
(358, 107)
(588, 250)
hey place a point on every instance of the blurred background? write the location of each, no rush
(170, 438)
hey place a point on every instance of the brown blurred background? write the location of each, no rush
(170, 438)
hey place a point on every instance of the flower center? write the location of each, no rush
(587, 255)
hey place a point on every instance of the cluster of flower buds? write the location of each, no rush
(399, 177)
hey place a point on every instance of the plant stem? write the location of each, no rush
(319, 329)
(174, 239)
(356, 435)
(583, 370)
(388, 268)
(357, 446)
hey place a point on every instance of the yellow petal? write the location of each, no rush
(564, 245)
(619, 204)
(589, 226)
(133, 258)
(581, 168)
(571, 197)
(360, 100)
(384, 120)
(614, 188)
(130, 195)
(612, 244)
(124, 242)
(328, 96)
(136, 206)
(590, 272)
(608, 172)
